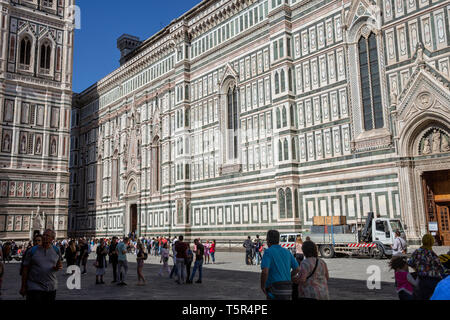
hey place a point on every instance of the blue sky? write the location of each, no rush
(103, 21)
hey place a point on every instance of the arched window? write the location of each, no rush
(277, 83)
(292, 115)
(289, 203)
(284, 113)
(282, 203)
(275, 50)
(156, 164)
(280, 151)
(283, 81)
(286, 149)
(25, 51)
(278, 118)
(290, 79)
(232, 123)
(45, 55)
(370, 83)
(294, 149)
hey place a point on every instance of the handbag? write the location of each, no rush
(281, 290)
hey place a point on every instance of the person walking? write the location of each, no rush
(248, 245)
(299, 257)
(257, 250)
(100, 262)
(140, 258)
(113, 257)
(122, 260)
(404, 281)
(428, 267)
(39, 281)
(181, 249)
(312, 278)
(212, 251)
(278, 267)
(399, 245)
(199, 253)
(71, 255)
(164, 260)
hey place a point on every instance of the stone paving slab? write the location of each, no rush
(229, 279)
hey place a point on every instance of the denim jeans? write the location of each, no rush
(213, 257)
(181, 270)
(257, 257)
(122, 275)
(198, 264)
(174, 268)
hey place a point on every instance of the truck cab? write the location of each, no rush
(383, 233)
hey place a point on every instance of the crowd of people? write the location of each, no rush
(38, 269)
(284, 275)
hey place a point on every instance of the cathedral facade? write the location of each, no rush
(36, 39)
(247, 115)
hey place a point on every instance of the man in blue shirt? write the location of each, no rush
(122, 260)
(278, 265)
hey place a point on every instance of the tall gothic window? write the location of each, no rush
(25, 51)
(283, 81)
(282, 203)
(277, 83)
(370, 83)
(156, 164)
(232, 123)
(45, 55)
(289, 203)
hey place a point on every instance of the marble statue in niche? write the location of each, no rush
(38, 146)
(426, 147)
(23, 144)
(7, 143)
(445, 147)
(436, 141)
(53, 147)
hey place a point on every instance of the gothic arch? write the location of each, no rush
(132, 186)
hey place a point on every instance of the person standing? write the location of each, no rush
(71, 255)
(399, 245)
(278, 267)
(140, 258)
(164, 260)
(212, 251)
(122, 260)
(207, 247)
(113, 257)
(428, 267)
(2, 268)
(174, 258)
(100, 262)
(199, 253)
(188, 262)
(248, 245)
(39, 282)
(84, 254)
(181, 250)
(256, 248)
(312, 278)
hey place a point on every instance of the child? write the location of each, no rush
(404, 281)
(165, 260)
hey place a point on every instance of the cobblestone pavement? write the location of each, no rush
(228, 279)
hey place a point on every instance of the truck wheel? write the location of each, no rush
(327, 251)
(377, 253)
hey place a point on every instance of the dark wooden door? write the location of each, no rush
(443, 215)
(133, 213)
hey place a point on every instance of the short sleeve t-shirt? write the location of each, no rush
(180, 248)
(199, 252)
(41, 276)
(280, 262)
(120, 248)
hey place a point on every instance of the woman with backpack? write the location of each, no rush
(140, 257)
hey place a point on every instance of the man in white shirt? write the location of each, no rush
(399, 246)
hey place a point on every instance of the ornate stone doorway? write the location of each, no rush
(436, 187)
(133, 218)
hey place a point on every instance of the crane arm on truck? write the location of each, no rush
(366, 235)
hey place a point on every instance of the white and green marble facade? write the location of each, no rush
(35, 109)
(153, 132)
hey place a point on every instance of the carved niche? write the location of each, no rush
(434, 140)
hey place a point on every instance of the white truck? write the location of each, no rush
(374, 239)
